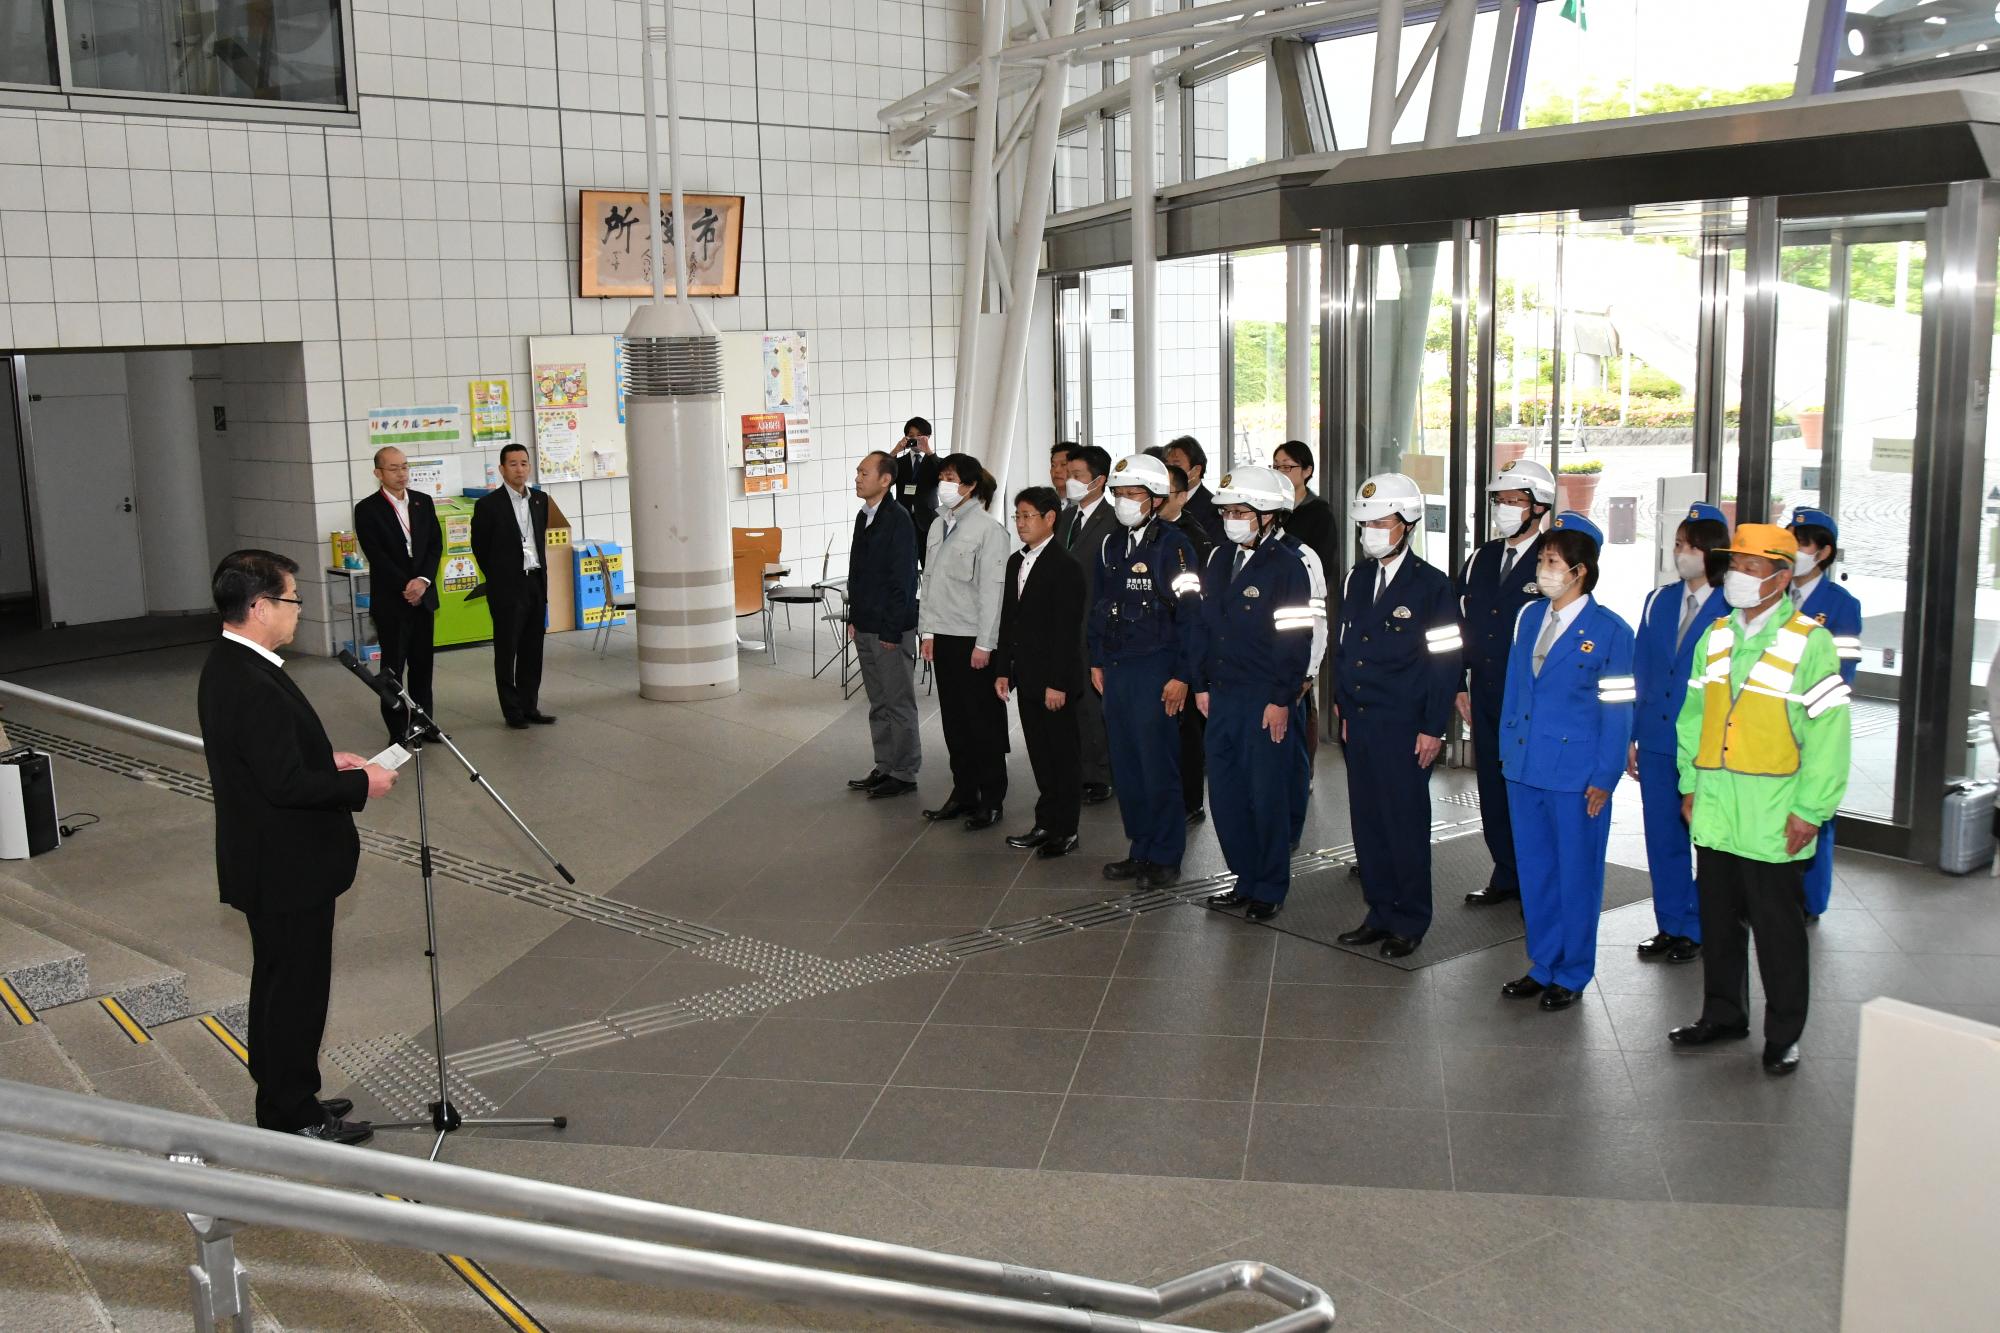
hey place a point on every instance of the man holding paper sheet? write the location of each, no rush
(285, 844)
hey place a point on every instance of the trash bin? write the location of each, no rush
(1624, 528)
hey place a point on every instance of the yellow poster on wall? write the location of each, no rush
(492, 412)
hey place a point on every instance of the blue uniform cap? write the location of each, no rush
(1819, 518)
(1571, 521)
(1697, 512)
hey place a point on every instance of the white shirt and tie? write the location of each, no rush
(402, 510)
(1693, 593)
(1389, 566)
(1554, 624)
(1511, 556)
(1029, 554)
(256, 648)
(524, 518)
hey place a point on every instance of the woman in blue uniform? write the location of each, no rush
(1820, 599)
(1258, 619)
(1395, 673)
(1669, 629)
(1566, 722)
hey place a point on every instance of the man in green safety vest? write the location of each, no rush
(1763, 739)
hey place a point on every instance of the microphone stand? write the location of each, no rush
(444, 1118)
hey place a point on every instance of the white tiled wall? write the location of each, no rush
(424, 247)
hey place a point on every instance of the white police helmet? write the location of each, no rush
(1525, 474)
(1140, 470)
(1261, 488)
(1388, 493)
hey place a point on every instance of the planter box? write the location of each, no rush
(1577, 490)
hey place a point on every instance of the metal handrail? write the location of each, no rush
(103, 716)
(575, 1230)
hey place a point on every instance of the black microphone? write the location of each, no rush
(368, 678)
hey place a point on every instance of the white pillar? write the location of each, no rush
(1454, 58)
(1382, 93)
(166, 469)
(966, 404)
(1301, 318)
(1145, 275)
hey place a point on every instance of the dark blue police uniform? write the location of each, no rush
(1144, 632)
(1396, 673)
(1489, 604)
(1303, 716)
(1662, 660)
(1257, 624)
(1840, 611)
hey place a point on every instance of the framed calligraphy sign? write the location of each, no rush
(617, 248)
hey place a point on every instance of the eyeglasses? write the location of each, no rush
(1286, 467)
(294, 601)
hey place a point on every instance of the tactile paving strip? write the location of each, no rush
(403, 1077)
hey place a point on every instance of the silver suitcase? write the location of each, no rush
(1966, 842)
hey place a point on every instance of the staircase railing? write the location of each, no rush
(203, 1168)
(152, 731)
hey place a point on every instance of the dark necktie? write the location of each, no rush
(1242, 559)
(1506, 565)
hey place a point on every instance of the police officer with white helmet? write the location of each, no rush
(1259, 613)
(1396, 673)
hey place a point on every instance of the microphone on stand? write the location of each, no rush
(368, 678)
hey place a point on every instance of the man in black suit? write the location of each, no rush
(1185, 452)
(882, 621)
(917, 467)
(1085, 525)
(399, 535)
(510, 540)
(1039, 658)
(285, 845)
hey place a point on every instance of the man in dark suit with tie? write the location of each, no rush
(510, 540)
(917, 467)
(1085, 525)
(399, 534)
(285, 845)
(1039, 660)
(1185, 452)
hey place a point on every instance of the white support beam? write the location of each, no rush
(1454, 59)
(1145, 269)
(1382, 109)
(996, 258)
(965, 402)
(1416, 74)
(1496, 70)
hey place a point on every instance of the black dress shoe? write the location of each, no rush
(542, 719)
(951, 809)
(1781, 1060)
(333, 1130)
(983, 819)
(1492, 894)
(1522, 988)
(1056, 847)
(1230, 899)
(1397, 947)
(1129, 868)
(1157, 876)
(890, 787)
(516, 724)
(1261, 911)
(1034, 837)
(1657, 947)
(1096, 793)
(1685, 950)
(1363, 934)
(1701, 1032)
(1196, 815)
(336, 1107)
(1559, 997)
(869, 783)
(1812, 919)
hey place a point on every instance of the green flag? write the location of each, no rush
(1573, 11)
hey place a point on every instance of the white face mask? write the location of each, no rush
(1805, 564)
(948, 497)
(1130, 512)
(1741, 590)
(1239, 530)
(1075, 490)
(1553, 583)
(1376, 542)
(1507, 520)
(1690, 565)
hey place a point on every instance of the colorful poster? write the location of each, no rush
(492, 412)
(436, 476)
(441, 424)
(563, 384)
(618, 372)
(788, 389)
(764, 453)
(558, 448)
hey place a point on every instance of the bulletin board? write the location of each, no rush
(769, 370)
(576, 397)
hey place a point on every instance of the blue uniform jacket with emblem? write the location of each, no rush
(1568, 728)
(1257, 626)
(1840, 611)
(1661, 665)
(1397, 658)
(1148, 600)
(1487, 610)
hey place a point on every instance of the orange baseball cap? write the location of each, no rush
(1765, 539)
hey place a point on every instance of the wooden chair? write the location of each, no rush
(752, 551)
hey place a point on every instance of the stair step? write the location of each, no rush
(93, 1038)
(44, 1286)
(211, 1065)
(43, 972)
(155, 981)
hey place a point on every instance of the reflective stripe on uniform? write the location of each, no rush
(1617, 689)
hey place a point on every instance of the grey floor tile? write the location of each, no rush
(957, 1126)
(998, 999)
(603, 1107)
(1491, 1019)
(1540, 1080)
(959, 866)
(1169, 1064)
(1794, 1165)
(1850, 930)
(1803, 1292)
(992, 1058)
(1144, 1004)
(1021, 905)
(903, 903)
(1312, 963)
(1083, 953)
(1728, 1085)
(1640, 1021)
(1556, 1154)
(1863, 976)
(865, 937)
(1243, 954)
(791, 900)
(467, 1027)
(587, 939)
(1952, 932)
(1353, 1013)
(1963, 979)
(1149, 1136)
(1728, 1244)
(904, 999)
(1344, 1145)
(821, 1050)
(675, 978)
(1351, 1073)
(554, 981)
(695, 1048)
(771, 1116)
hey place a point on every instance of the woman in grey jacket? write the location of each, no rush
(958, 619)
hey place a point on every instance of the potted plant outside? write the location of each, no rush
(1812, 426)
(1576, 484)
